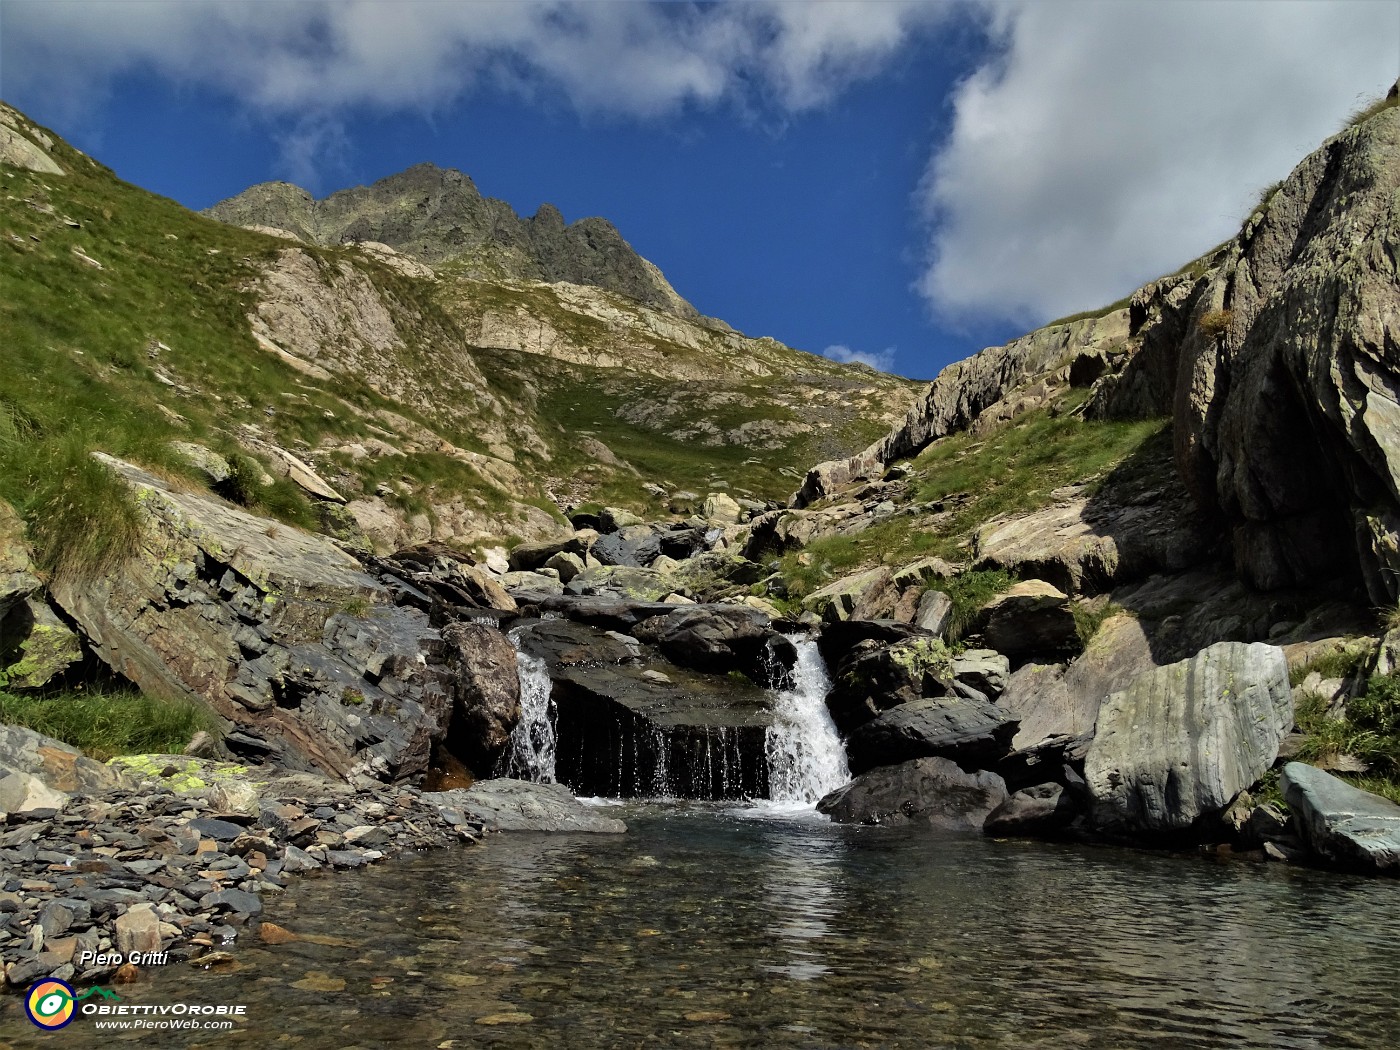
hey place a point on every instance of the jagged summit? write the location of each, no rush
(438, 215)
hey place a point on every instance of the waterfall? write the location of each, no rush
(532, 742)
(806, 758)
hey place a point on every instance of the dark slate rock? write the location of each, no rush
(218, 830)
(932, 791)
(974, 732)
(231, 900)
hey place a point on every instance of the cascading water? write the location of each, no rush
(806, 759)
(533, 741)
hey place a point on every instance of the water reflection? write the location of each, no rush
(707, 928)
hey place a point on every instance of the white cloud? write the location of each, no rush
(882, 361)
(1107, 143)
(618, 56)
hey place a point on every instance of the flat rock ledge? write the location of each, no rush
(1344, 826)
(178, 856)
(518, 805)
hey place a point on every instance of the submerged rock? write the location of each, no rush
(519, 805)
(1181, 741)
(933, 791)
(1342, 824)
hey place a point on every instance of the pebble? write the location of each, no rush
(66, 878)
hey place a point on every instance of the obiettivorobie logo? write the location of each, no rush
(52, 1003)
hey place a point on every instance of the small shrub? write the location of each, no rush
(83, 518)
(1090, 615)
(969, 593)
(1215, 323)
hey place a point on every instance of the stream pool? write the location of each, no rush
(715, 926)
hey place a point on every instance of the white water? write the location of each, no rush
(806, 759)
(532, 742)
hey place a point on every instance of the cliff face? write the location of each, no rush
(439, 216)
(1276, 357)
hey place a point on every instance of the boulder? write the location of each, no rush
(633, 546)
(1032, 617)
(1038, 812)
(1342, 824)
(630, 722)
(863, 596)
(875, 676)
(972, 731)
(138, 929)
(985, 670)
(518, 805)
(298, 651)
(1181, 741)
(935, 612)
(485, 694)
(931, 791)
(923, 571)
(526, 557)
(566, 564)
(40, 646)
(720, 509)
(720, 638)
(51, 763)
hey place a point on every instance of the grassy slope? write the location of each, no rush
(971, 480)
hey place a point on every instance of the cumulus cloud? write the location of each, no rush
(619, 56)
(1106, 143)
(882, 361)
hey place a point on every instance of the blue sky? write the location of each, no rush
(901, 181)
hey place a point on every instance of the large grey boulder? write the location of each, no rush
(485, 694)
(973, 731)
(1032, 617)
(519, 805)
(932, 791)
(38, 772)
(1042, 810)
(17, 574)
(1181, 741)
(1342, 824)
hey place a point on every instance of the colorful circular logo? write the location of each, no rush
(49, 1003)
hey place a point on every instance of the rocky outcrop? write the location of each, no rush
(1343, 825)
(721, 638)
(280, 633)
(485, 693)
(929, 791)
(962, 392)
(517, 805)
(438, 215)
(974, 732)
(1287, 402)
(634, 723)
(1180, 742)
(22, 145)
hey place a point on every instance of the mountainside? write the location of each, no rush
(439, 216)
(362, 390)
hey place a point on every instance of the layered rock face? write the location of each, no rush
(287, 639)
(438, 214)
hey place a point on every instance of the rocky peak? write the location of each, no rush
(438, 215)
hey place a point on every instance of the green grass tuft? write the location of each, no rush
(107, 722)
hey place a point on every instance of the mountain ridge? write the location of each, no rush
(439, 216)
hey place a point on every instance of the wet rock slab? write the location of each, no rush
(518, 805)
(1343, 825)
